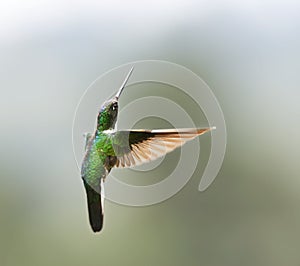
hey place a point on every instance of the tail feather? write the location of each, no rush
(94, 207)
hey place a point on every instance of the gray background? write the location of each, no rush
(247, 52)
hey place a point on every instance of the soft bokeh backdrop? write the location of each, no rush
(247, 51)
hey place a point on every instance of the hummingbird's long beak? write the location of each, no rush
(124, 83)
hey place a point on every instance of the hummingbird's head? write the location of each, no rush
(108, 113)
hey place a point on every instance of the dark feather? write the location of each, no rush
(94, 207)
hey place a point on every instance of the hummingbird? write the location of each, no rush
(107, 148)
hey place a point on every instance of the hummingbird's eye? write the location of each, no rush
(114, 106)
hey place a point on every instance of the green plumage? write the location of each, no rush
(95, 168)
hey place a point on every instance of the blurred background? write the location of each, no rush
(246, 51)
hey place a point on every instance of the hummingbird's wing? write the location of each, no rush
(135, 147)
(87, 137)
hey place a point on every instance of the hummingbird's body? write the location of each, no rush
(95, 168)
(108, 148)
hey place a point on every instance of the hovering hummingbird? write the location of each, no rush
(107, 148)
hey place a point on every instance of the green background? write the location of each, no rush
(246, 51)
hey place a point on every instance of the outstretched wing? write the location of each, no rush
(135, 147)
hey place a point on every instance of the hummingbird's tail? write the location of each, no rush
(94, 207)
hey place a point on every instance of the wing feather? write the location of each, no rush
(135, 147)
